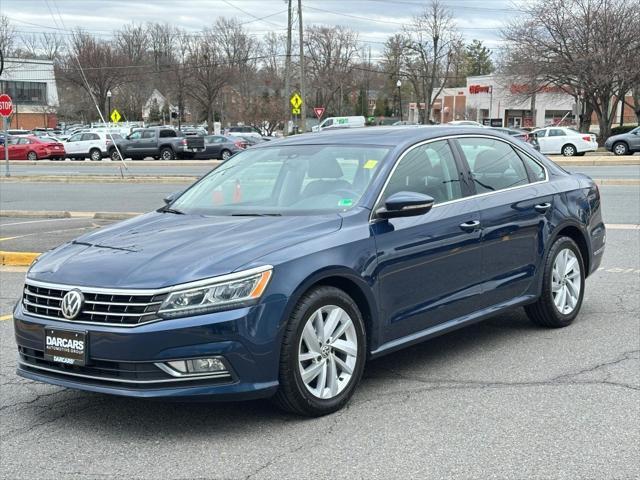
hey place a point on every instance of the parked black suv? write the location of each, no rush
(158, 142)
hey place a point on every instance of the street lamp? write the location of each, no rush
(109, 104)
(399, 84)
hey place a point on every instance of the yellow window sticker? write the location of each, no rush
(370, 164)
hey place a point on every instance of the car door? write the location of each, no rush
(634, 140)
(544, 141)
(428, 266)
(557, 139)
(515, 202)
(88, 140)
(73, 146)
(15, 149)
(133, 144)
(148, 144)
(214, 147)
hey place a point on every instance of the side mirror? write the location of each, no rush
(171, 197)
(405, 204)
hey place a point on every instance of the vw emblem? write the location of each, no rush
(71, 304)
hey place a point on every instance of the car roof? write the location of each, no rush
(383, 136)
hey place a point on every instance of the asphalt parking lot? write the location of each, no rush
(501, 399)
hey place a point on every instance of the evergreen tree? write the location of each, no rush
(478, 59)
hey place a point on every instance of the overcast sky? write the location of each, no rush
(374, 20)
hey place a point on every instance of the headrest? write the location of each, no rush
(491, 161)
(327, 167)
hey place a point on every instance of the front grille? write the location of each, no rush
(103, 308)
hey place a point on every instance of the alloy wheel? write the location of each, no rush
(327, 352)
(167, 155)
(566, 281)
(569, 151)
(226, 155)
(96, 156)
(620, 149)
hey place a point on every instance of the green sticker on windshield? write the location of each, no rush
(345, 202)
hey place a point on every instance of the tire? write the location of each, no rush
(115, 156)
(167, 154)
(95, 155)
(568, 150)
(32, 156)
(620, 148)
(544, 311)
(224, 155)
(294, 395)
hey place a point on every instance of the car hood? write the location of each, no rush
(161, 249)
(615, 138)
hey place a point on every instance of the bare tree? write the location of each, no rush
(44, 45)
(207, 73)
(93, 65)
(7, 36)
(431, 40)
(588, 48)
(332, 53)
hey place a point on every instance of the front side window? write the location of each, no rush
(494, 164)
(286, 180)
(75, 138)
(429, 169)
(540, 133)
(135, 135)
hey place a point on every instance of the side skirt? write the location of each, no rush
(449, 326)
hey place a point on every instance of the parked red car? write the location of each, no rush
(35, 148)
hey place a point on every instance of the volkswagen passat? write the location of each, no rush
(280, 273)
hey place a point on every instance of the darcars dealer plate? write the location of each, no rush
(65, 346)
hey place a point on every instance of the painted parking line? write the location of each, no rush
(5, 317)
(622, 226)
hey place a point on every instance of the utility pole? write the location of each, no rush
(287, 73)
(303, 108)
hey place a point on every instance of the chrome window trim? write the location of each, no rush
(474, 196)
(225, 374)
(150, 292)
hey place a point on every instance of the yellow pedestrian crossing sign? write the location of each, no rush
(115, 116)
(296, 102)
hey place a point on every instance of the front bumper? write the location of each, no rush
(122, 360)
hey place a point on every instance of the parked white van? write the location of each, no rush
(339, 122)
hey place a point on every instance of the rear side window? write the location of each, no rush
(167, 133)
(556, 132)
(428, 169)
(494, 164)
(537, 171)
(148, 134)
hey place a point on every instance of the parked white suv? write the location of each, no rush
(92, 145)
(565, 141)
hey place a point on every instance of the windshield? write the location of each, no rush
(286, 180)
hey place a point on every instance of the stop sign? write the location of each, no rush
(6, 105)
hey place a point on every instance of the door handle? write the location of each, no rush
(470, 226)
(542, 207)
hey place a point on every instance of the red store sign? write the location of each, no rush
(473, 89)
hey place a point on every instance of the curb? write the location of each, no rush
(18, 259)
(66, 214)
(617, 181)
(596, 162)
(99, 179)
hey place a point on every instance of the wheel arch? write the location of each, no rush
(353, 285)
(569, 144)
(577, 233)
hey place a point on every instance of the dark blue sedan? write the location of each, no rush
(282, 271)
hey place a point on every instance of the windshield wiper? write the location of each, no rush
(168, 209)
(256, 214)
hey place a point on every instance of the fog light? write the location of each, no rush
(198, 365)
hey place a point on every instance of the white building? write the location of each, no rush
(160, 100)
(31, 84)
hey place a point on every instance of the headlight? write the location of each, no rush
(219, 294)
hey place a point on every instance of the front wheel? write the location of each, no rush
(562, 286)
(115, 156)
(620, 148)
(323, 353)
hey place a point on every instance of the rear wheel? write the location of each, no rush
(620, 148)
(225, 154)
(167, 154)
(32, 156)
(562, 286)
(323, 353)
(569, 150)
(95, 155)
